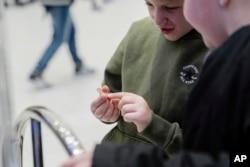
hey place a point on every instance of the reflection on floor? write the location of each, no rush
(27, 33)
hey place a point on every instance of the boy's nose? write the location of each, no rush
(159, 18)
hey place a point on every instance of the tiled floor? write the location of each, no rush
(27, 33)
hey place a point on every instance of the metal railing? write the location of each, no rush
(38, 115)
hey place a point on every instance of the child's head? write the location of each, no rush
(217, 19)
(168, 16)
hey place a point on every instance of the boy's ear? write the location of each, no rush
(223, 3)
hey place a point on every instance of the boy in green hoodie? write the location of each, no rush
(158, 62)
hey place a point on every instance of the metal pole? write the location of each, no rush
(8, 157)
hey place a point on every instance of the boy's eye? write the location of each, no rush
(149, 4)
(171, 8)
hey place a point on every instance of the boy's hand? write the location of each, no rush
(83, 160)
(104, 108)
(133, 108)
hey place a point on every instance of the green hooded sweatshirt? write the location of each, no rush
(163, 72)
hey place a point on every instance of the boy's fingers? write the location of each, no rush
(105, 89)
(114, 101)
(118, 95)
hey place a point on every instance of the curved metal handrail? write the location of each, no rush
(39, 114)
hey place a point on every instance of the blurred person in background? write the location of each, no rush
(64, 32)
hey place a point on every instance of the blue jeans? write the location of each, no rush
(64, 31)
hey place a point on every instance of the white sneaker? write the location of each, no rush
(39, 83)
(83, 70)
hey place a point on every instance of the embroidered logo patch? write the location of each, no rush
(189, 74)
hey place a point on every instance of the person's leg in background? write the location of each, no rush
(69, 37)
(58, 14)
